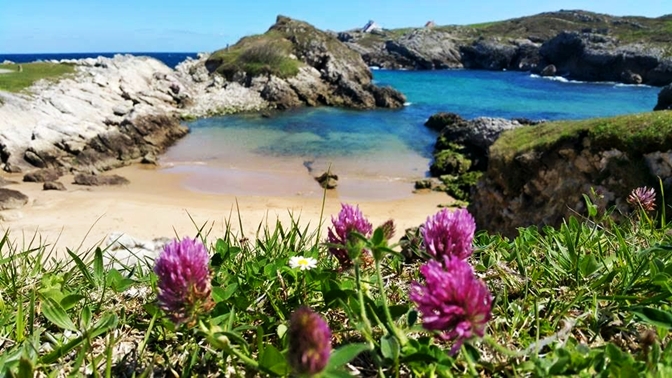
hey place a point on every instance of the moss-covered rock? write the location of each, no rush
(449, 161)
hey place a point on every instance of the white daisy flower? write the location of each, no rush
(304, 263)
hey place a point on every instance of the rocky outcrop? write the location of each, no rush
(493, 54)
(596, 57)
(545, 185)
(106, 115)
(582, 45)
(295, 64)
(664, 99)
(461, 150)
(473, 137)
(12, 199)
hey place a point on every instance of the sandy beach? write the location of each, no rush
(158, 204)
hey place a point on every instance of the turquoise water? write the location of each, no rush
(378, 154)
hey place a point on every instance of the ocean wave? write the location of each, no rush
(563, 79)
(408, 103)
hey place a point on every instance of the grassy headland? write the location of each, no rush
(24, 75)
(654, 32)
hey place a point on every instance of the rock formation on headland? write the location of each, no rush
(295, 64)
(113, 111)
(581, 45)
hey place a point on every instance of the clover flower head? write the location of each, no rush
(303, 263)
(644, 196)
(183, 280)
(452, 301)
(309, 342)
(449, 233)
(350, 219)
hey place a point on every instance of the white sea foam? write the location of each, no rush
(563, 79)
(408, 103)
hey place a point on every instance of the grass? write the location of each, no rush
(590, 298)
(635, 133)
(31, 72)
(257, 55)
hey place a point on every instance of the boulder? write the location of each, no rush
(664, 99)
(53, 185)
(473, 137)
(549, 70)
(629, 77)
(327, 180)
(42, 175)
(5, 182)
(12, 199)
(98, 180)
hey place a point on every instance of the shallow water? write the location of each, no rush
(377, 154)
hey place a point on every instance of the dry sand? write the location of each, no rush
(157, 204)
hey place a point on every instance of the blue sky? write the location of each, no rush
(47, 26)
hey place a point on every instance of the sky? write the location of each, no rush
(62, 26)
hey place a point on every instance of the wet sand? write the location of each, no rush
(157, 203)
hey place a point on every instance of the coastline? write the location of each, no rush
(156, 204)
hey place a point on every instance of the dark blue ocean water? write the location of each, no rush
(170, 59)
(391, 146)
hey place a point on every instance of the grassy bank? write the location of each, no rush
(591, 298)
(24, 75)
(634, 133)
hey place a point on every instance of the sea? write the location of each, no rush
(377, 154)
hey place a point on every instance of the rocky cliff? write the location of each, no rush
(114, 111)
(581, 45)
(295, 64)
(538, 175)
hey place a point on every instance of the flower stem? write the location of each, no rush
(360, 296)
(397, 333)
(470, 362)
(242, 357)
(500, 348)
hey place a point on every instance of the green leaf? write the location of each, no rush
(335, 374)
(82, 267)
(98, 271)
(220, 294)
(26, 368)
(281, 330)
(271, 359)
(378, 236)
(85, 319)
(653, 316)
(345, 354)
(117, 282)
(412, 318)
(389, 347)
(57, 315)
(70, 301)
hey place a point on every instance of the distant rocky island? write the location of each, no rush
(573, 43)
